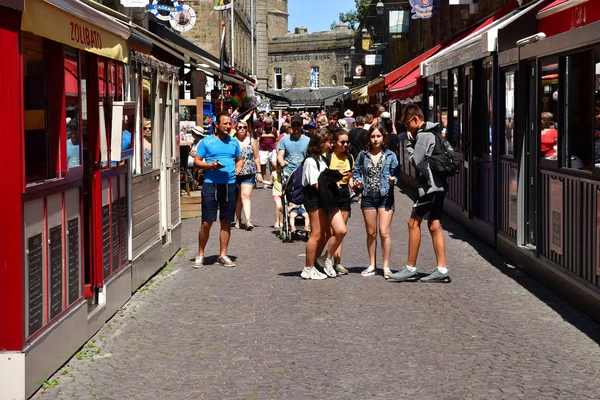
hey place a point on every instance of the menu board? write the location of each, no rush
(35, 289)
(123, 218)
(106, 240)
(115, 234)
(73, 266)
(56, 271)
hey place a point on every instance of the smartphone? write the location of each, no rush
(219, 165)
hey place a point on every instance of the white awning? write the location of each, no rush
(478, 44)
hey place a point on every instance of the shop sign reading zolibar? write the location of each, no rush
(86, 36)
(46, 20)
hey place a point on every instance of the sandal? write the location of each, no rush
(369, 271)
(386, 273)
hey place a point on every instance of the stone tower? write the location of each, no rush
(271, 21)
(277, 18)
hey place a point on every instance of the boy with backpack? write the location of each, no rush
(433, 160)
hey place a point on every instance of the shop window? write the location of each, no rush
(148, 97)
(73, 112)
(41, 150)
(509, 114)
(484, 142)
(577, 142)
(444, 103)
(436, 98)
(549, 108)
(278, 78)
(597, 110)
(456, 131)
(430, 108)
(347, 73)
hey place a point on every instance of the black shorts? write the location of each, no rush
(311, 198)
(219, 197)
(430, 206)
(344, 201)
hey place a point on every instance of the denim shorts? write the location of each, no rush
(245, 179)
(219, 197)
(374, 201)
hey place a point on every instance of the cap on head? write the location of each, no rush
(297, 120)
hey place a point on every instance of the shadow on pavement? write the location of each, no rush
(568, 312)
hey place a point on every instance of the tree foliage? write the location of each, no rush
(354, 17)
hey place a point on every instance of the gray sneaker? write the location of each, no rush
(340, 269)
(437, 277)
(404, 275)
(225, 261)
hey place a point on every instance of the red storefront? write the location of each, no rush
(65, 206)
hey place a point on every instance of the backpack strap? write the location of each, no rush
(328, 159)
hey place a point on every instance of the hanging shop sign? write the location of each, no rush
(184, 20)
(222, 5)
(423, 9)
(367, 41)
(373, 59)
(556, 216)
(358, 71)
(134, 3)
(165, 12)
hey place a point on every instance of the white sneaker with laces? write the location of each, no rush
(312, 273)
(199, 262)
(329, 268)
(225, 261)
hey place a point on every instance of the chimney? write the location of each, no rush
(341, 27)
(300, 30)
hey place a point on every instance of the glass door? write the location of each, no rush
(530, 156)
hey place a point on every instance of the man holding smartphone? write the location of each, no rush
(220, 157)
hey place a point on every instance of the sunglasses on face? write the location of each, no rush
(241, 127)
(344, 142)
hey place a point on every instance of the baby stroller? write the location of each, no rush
(293, 192)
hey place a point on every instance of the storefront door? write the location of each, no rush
(468, 119)
(530, 161)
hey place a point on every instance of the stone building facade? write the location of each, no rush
(291, 58)
(207, 31)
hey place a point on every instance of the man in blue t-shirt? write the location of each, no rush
(291, 150)
(220, 157)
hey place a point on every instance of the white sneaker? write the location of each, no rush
(312, 273)
(329, 268)
(199, 262)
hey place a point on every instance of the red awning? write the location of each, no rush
(563, 16)
(398, 73)
(409, 86)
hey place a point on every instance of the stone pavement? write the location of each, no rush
(258, 331)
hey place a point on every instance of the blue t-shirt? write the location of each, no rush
(295, 151)
(226, 151)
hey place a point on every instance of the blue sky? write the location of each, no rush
(316, 15)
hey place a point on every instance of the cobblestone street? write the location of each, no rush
(258, 331)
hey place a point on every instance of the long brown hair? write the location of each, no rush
(317, 139)
(384, 134)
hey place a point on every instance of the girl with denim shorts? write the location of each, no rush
(375, 174)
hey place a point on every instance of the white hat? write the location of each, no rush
(385, 115)
(198, 130)
(342, 123)
(348, 113)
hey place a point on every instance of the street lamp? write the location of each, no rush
(379, 8)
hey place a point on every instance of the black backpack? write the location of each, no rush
(443, 160)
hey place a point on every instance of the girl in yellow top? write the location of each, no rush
(340, 159)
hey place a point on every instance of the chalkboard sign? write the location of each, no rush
(35, 289)
(115, 234)
(106, 240)
(73, 259)
(56, 271)
(124, 225)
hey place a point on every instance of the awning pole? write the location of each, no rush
(232, 46)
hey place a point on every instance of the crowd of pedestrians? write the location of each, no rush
(343, 160)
